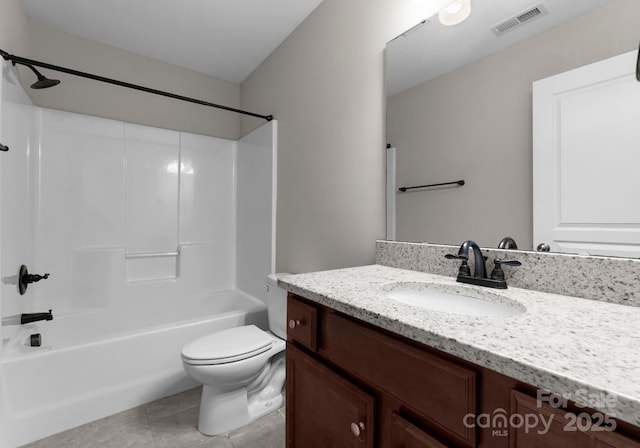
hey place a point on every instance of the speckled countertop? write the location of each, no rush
(565, 345)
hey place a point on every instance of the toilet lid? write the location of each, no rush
(228, 345)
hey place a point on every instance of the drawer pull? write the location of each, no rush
(294, 323)
(356, 428)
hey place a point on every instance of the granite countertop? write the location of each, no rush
(566, 345)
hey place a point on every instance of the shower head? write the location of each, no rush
(43, 82)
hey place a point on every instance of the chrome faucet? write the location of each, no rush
(479, 276)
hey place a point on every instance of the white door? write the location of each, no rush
(586, 159)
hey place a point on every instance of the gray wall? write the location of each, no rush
(325, 85)
(89, 97)
(475, 124)
(13, 27)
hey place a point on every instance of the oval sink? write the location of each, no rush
(454, 300)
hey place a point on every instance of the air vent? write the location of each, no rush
(518, 20)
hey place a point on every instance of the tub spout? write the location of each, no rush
(34, 317)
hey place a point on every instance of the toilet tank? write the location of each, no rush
(277, 305)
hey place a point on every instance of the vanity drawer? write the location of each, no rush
(405, 434)
(302, 323)
(563, 428)
(441, 391)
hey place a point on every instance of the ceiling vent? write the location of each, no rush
(518, 20)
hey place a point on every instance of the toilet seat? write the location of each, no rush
(231, 345)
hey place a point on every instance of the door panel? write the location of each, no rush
(586, 150)
(323, 409)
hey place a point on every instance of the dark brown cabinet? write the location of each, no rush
(562, 428)
(405, 434)
(351, 384)
(302, 320)
(441, 391)
(325, 410)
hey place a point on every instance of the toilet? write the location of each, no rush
(242, 369)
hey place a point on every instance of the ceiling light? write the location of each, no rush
(453, 8)
(455, 13)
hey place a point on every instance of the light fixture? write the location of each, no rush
(455, 13)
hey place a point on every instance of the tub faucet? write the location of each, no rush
(27, 318)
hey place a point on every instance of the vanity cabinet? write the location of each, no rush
(405, 434)
(399, 370)
(580, 429)
(302, 320)
(325, 409)
(351, 384)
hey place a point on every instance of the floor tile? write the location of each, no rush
(170, 422)
(128, 429)
(164, 407)
(178, 430)
(65, 439)
(267, 432)
(218, 442)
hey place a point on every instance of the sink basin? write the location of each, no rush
(453, 300)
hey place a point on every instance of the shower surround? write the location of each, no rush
(152, 237)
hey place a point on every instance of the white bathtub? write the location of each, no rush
(91, 365)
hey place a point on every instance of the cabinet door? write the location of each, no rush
(324, 409)
(405, 434)
(563, 428)
(439, 390)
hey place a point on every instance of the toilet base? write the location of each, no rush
(225, 411)
(221, 413)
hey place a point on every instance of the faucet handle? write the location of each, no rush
(499, 262)
(498, 273)
(33, 278)
(464, 267)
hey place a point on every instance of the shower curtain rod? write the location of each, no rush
(24, 61)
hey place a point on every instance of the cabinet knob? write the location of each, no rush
(357, 428)
(294, 323)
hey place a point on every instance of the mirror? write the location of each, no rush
(459, 107)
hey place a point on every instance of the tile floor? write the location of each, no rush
(170, 422)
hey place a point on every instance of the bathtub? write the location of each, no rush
(91, 364)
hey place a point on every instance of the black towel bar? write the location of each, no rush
(457, 182)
